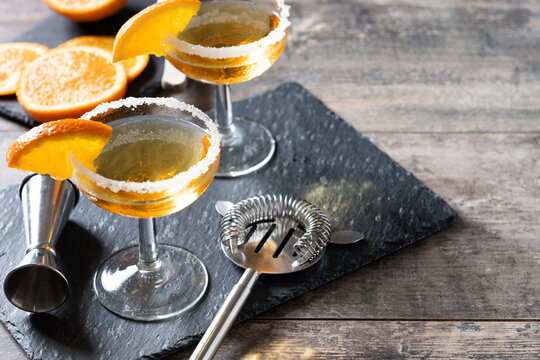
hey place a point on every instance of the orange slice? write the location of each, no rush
(68, 82)
(13, 58)
(86, 10)
(45, 149)
(144, 32)
(133, 66)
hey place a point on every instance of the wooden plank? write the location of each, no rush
(293, 339)
(485, 267)
(19, 15)
(416, 66)
(310, 339)
(10, 126)
(424, 66)
(464, 273)
(491, 178)
(10, 349)
(400, 66)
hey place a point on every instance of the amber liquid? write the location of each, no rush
(146, 149)
(150, 148)
(224, 24)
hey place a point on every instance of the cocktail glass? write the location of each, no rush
(162, 155)
(227, 42)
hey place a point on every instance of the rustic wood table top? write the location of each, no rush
(450, 90)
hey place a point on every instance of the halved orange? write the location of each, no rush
(13, 58)
(144, 32)
(86, 10)
(134, 66)
(66, 83)
(45, 149)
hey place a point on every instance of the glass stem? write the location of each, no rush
(224, 114)
(148, 253)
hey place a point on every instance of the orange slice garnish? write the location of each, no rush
(66, 83)
(86, 10)
(144, 32)
(45, 149)
(133, 66)
(13, 58)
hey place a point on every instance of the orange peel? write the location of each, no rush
(86, 10)
(143, 33)
(45, 149)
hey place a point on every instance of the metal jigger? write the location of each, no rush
(36, 284)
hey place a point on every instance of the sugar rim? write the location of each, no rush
(193, 172)
(235, 51)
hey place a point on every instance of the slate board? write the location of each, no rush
(56, 29)
(319, 157)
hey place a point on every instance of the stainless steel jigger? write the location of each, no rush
(266, 234)
(36, 284)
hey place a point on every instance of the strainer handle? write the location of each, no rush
(218, 329)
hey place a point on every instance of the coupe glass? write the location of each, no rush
(161, 157)
(227, 42)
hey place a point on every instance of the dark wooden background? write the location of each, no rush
(451, 90)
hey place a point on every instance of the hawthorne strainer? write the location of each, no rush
(272, 234)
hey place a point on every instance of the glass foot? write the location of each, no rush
(176, 286)
(249, 147)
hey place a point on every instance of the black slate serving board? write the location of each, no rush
(319, 157)
(56, 29)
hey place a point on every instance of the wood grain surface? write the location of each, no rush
(450, 90)
(327, 339)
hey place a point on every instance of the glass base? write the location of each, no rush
(249, 147)
(176, 286)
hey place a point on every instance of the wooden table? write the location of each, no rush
(450, 90)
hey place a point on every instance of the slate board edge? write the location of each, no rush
(450, 218)
(18, 118)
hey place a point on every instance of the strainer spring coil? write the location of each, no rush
(234, 225)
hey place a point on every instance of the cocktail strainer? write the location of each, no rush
(281, 234)
(265, 234)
